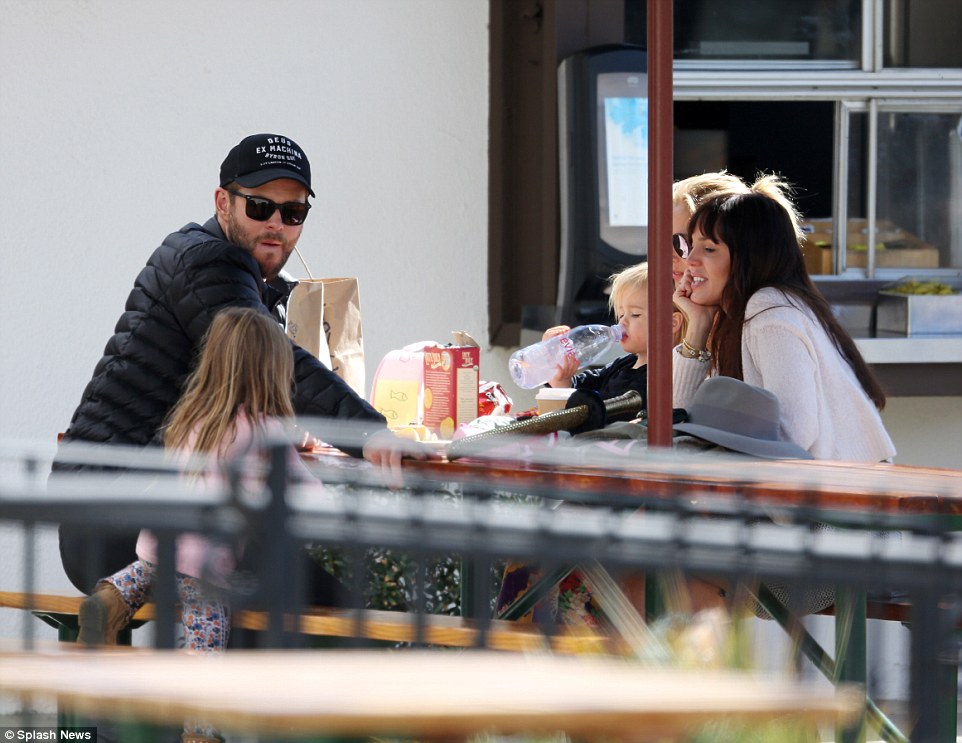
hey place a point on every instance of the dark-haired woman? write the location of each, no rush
(754, 314)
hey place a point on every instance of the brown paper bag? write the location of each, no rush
(305, 319)
(324, 318)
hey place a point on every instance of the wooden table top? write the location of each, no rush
(878, 488)
(413, 693)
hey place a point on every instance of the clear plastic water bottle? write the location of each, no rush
(537, 363)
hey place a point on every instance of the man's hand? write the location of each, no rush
(385, 450)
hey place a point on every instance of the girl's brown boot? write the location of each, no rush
(102, 615)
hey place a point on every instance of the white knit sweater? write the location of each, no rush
(823, 407)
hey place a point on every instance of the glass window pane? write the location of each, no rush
(919, 202)
(791, 138)
(820, 244)
(787, 30)
(922, 34)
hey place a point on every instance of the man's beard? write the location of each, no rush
(248, 240)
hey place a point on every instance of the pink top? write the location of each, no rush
(197, 556)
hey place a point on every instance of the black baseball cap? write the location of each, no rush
(262, 158)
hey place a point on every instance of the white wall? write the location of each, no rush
(926, 430)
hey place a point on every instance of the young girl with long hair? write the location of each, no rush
(754, 314)
(237, 396)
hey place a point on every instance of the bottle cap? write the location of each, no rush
(617, 332)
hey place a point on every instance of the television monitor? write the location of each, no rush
(603, 141)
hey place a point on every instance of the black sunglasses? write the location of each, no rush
(260, 209)
(680, 243)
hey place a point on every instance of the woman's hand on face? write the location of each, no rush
(700, 316)
(682, 294)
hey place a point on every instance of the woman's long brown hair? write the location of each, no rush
(764, 251)
(245, 361)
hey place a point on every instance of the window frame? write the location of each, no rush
(530, 37)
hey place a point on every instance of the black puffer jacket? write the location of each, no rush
(192, 275)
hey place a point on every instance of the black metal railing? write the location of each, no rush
(686, 526)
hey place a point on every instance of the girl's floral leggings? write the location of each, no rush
(204, 613)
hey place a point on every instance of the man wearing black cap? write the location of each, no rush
(234, 259)
(263, 171)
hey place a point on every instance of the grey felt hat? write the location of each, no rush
(740, 417)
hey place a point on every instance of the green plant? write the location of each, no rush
(390, 579)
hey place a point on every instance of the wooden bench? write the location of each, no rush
(391, 626)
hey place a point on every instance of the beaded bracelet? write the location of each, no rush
(689, 351)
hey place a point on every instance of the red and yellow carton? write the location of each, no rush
(428, 386)
(451, 377)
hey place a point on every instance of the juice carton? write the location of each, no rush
(451, 380)
(430, 385)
